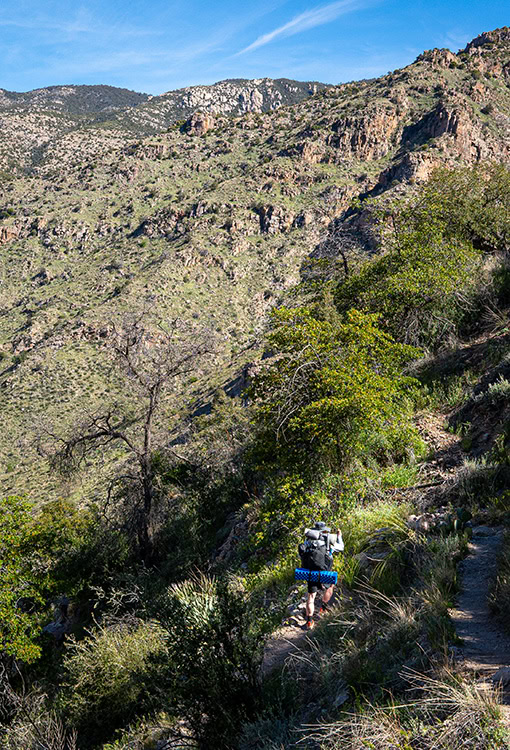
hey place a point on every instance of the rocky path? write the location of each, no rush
(486, 648)
(290, 637)
(286, 641)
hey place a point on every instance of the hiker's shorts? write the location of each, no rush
(313, 587)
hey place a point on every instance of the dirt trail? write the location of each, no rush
(486, 648)
(286, 641)
(290, 637)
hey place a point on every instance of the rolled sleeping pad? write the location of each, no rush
(329, 577)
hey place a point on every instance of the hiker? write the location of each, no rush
(316, 553)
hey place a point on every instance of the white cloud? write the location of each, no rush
(455, 39)
(307, 20)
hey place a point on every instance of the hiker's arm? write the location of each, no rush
(338, 546)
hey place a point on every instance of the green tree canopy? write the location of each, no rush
(329, 387)
(427, 280)
(18, 628)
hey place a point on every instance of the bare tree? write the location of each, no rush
(338, 248)
(150, 362)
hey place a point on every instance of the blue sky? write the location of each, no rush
(158, 45)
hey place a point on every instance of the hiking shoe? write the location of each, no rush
(324, 609)
(309, 624)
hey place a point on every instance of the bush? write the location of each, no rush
(422, 288)
(73, 550)
(108, 675)
(18, 584)
(428, 283)
(329, 391)
(215, 650)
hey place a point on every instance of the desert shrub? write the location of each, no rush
(430, 280)
(499, 391)
(107, 675)
(55, 550)
(423, 286)
(18, 584)
(215, 650)
(74, 548)
(472, 203)
(330, 391)
(479, 480)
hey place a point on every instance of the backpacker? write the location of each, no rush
(315, 555)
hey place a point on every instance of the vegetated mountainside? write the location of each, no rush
(73, 100)
(230, 97)
(379, 401)
(212, 221)
(38, 120)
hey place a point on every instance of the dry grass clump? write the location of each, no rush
(35, 727)
(450, 713)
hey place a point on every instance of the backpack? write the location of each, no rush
(314, 555)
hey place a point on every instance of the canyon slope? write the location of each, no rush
(211, 219)
(105, 116)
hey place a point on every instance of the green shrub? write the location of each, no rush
(330, 389)
(73, 549)
(499, 391)
(18, 627)
(430, 280)
(421, 288)
(215, 650)
(107, 675)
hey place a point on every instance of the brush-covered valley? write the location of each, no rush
(226, 313)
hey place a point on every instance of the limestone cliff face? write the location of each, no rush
(241, 96)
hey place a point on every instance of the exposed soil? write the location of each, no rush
(485, 647)
(286, 641)
(289, 638)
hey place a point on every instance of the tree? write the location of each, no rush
(328, 388)
(428, 280)
(149, 362)
(18, 627)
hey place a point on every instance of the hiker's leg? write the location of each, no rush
(310, 604)
(327, 595)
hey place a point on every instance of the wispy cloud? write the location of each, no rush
(307, 20)
(455, 39)
(80, 23)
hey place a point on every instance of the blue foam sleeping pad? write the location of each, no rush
(328, 577)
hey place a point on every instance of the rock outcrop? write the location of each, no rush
(199, 123)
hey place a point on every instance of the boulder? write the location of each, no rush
(483, 531)
(199, 123)
(501, 677)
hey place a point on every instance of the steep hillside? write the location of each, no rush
(212, 221)
(42, 119)
(313, 261)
